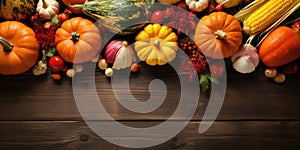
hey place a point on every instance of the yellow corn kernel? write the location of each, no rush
(267, 14)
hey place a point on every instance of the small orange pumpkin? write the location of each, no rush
(78, 37)
(19, 48)
(280, 47)
(218, 35)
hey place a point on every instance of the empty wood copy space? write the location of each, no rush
(38, 113)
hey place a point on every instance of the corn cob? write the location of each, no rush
(266, 15)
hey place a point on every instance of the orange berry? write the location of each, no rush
(135, 67)
(56, 76)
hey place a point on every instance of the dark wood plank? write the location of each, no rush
(222, 135)
(248, 97)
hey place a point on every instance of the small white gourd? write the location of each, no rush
(47, 8)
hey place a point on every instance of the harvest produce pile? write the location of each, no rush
(58, 37)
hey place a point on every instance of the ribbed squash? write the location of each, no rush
(16, 9)
(280, 47)
(78, 40)
(117, 15)
(218, 35)
(156, 44)
(19, 48)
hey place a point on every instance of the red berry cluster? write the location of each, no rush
(45, 33)
(45, 29)
(192, 50)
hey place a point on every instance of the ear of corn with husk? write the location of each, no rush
(262, 16)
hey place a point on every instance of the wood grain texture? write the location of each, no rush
(74, 135)
(248, 97)
(38, 113)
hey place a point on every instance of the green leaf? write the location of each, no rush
(55, 20)
(51, 51)
(204, 82)
(214, 80)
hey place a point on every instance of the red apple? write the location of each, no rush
(56, 64)
(157, 16)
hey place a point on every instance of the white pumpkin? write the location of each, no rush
(47, 8)
(168, 1)
(197, 5)
(229, 3)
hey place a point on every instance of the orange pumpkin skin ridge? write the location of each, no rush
(87, 46)
(280, 47)
(218, 48)
(25, 51)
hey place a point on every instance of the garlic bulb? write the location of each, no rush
(124, 58)
(246, 59)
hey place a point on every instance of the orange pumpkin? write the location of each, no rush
(280, 47)
(218, 35)
(19, 49)
(78, 37)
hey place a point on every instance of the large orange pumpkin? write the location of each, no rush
(280, 47)
(19, 49)
(218, 35)
(78, 40)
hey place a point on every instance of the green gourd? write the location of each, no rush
(117, 15)
(16, 9)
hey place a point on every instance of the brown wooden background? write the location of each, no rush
(38, 113)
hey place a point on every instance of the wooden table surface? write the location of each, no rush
(38, 113)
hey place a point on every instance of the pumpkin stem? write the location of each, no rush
(75, 37)
(45, 5)
(156, 43)
(7, 46)
(220, 35)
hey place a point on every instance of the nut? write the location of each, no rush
(270, 72)
(71, 73)
(78, 68)
(279, 78)
(109, 72)
(102, 64)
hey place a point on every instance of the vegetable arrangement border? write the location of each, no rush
(43, 36)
